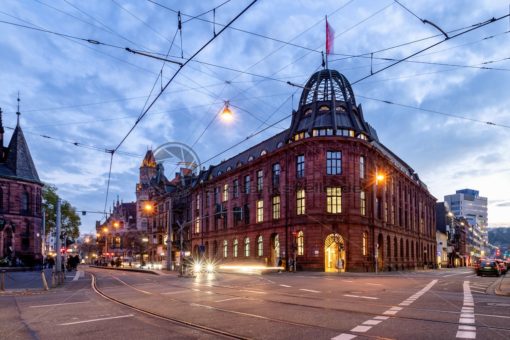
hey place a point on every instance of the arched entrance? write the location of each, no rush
(334, 254)
(274, 250)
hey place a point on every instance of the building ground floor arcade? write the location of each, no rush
(329, 248)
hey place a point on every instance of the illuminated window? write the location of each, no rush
(300, 202)
(260, 246)
(300, 243)
(225, 192)
(300, 166)
(260, 211)
(363, 203)
(197, 225)
(235, 248)
(365, 244)
(198, 202)
(225, 248)
(333, 162)
(260, 180)
(247, 247)
(362, 167)
(334, 200)
(276, 207)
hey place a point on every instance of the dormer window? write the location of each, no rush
(239, 164)
(308, 112)
(340, 109)
(229, 168)
(250, 158)
(279, 145)
(263, 153)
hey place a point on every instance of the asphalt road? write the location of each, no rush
(445, 304)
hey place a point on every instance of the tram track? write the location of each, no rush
(296, 304)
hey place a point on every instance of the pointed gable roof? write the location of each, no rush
(19, 160)
(149, 160)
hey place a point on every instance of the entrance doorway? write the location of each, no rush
(334, 254)
(379, 251)
(274, 254)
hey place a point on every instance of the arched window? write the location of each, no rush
(235, 247)
(215, 248)
(24, 202)
(401, 248)
(247, 247)
(225, 248)
(388, 246)
(365, 244)
(407, 249)
(260, 246)
(412, 250)
(301, 243)
(395, 250)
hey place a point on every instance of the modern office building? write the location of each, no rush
(468, 203)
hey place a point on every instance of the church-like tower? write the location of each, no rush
(148, 170)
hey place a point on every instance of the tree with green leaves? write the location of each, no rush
(69, 218)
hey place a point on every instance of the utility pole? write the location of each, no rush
(181, 248)
(58, 265)
(43, 231)
(169, 239)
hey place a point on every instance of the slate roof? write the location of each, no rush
(18, 163)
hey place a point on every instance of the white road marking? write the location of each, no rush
(94, 320)
(234, 298)
(286, 286)
(58, 304)
(79, 274)
(368, 324)
(309, 290)
(344, 336)
(467, 315)
(361, 297)
(253, 291)
(176, 292)
(127, 284)
(361, 329)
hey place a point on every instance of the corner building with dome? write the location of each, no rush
(324, 194)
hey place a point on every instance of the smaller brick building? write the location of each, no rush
(20, 200)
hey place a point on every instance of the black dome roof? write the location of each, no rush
(328, 107)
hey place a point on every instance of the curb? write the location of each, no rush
(26, 292)
(147, 271)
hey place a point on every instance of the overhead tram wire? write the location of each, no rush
(474, 27)
(436, 112)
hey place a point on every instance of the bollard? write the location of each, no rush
(45, 284)
(2, 281)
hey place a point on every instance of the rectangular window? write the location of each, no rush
(362, 167)
(247, 184)
(246, 213)
(300, 202)
(276, 175)
(334, 200)
(216, 195)
(276, 207)
(300, 166)
(260, 180)
(236, 188)
(207, 198)
(197, 225)
(260, 211)
(333, 162)
(198, 202)
(364, 244)
(238, 215)
(225, 192)
(363, 203)
(224, 216)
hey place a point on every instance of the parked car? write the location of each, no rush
(502, 265)
(489, 267)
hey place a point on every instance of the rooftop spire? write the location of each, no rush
(1, 123)
(17, 112)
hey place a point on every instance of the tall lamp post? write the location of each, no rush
(379, 179)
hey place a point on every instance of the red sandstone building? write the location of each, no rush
(20, 201)
(325, 193)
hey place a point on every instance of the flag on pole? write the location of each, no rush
(330, 38)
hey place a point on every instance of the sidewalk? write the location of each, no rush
(503, 288)
(16, 282)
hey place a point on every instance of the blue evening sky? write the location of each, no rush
(74, 91)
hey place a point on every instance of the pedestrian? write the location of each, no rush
(279, 265)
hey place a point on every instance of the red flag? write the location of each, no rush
(330, 39)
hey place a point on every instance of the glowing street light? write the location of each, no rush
(379, 178)
(116, 224)
(226, 113)
(148, 207)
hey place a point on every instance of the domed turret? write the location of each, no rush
(328, 107)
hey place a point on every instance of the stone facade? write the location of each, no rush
(324, 194)
(21, 230)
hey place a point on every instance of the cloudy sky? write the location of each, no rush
(75, 91)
